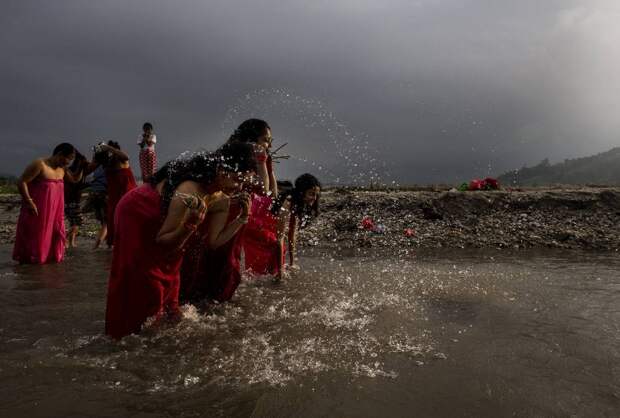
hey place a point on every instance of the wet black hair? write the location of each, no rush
(249, 131)
(147, 125)
(202, 167)
(114, 144)
(79, 164)
(102, 158)
(296, 193)
(65, 149)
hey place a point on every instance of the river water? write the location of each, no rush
(401, 334)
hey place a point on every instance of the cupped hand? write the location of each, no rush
(197, 212)
(245, 202)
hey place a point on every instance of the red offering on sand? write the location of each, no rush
(144, 278)
(409, 232)
(120, 181)
(260, 238)
(40, 238)
(368, 224)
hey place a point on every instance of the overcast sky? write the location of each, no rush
(420, 91)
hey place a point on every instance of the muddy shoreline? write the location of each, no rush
(575, 218)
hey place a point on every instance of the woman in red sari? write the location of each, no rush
(120, 180)
(211, 268)
(154, 223)
(40, 235)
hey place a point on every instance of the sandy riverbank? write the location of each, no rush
(584, 218)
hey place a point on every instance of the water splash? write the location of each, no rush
(357, 161)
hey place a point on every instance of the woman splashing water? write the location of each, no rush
(153, 224)
(40, 235)
(211, 268)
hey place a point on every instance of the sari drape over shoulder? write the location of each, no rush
(144, 279)
(119, 182)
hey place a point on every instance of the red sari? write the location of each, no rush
(213, 274)
(120, 181)
(40, 238)
(144, 279)
(260, 239)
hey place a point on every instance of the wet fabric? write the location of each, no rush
(73, 196)
(148, 163)
(98, 182)
(73, 213)
(260, 238)
(97, 202)
(40, 238)
(193, 270)
(212, 273)
(119, 182)
(144, 278)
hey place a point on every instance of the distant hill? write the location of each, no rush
(603, 169)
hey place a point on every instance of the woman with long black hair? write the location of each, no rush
(153, 225)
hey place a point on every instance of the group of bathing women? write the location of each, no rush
(179, 237)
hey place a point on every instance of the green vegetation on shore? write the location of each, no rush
(8, 184)
(599, 169)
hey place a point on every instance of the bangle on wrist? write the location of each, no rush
(190, 226)
(243, 219)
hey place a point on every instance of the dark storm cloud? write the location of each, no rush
(439, 89)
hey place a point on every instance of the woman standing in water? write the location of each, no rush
(120, 180)
(73, 196)
(40, 235)
(294, 210)
(259, 237)
(153, 225)
(148, 158)
(98, 197)
(211, 268)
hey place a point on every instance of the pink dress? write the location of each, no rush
(40, 238)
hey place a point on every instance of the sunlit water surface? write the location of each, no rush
(400, 334)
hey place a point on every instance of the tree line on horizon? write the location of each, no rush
(599, 169)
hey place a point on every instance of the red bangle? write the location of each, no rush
(190, 226)
(261, 157)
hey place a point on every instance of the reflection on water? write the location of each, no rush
(472, 334)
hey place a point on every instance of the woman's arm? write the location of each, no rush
(118, 153)
(292, 240)
(72, 177)
(32, 171)
(90, 166)
(218, 233)
(181, 222)
(283, 221)
(273, 183)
